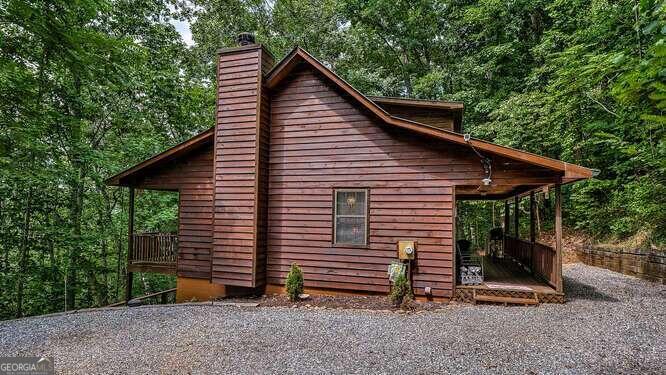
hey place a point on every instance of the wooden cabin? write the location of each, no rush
(300, 167)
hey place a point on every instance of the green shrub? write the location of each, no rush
(401, 292)
(294, 283)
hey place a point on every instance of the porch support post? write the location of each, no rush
(516, 203)
(506, 216)
(130, 245)
(532, 230)
(558, 236)
(506, 224)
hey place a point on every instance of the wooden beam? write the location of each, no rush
(130, 245)
(165, 269)
(558, 235)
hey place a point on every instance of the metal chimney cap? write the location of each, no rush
(244, 39)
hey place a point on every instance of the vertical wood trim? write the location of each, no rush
(130, 244)
(218, 98)
(558, 235)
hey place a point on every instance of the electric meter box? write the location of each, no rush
(406, 250)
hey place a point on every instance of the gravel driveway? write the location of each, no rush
(613, 324)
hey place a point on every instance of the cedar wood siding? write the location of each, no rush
(321, 140)
(262, 178)
(434, 117)
(237, 238)
(192, 177)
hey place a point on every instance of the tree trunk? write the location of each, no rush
(3, 241)
(23, 261)
(76, 210)
(119, 259)
(104, 287)
(119, 269)
(54, 274)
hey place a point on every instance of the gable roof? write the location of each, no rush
(570, 172)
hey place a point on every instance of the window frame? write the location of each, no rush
(366, 217)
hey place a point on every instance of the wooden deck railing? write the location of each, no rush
(544, 263)
(540, 259)
(519, 250)
(156, 250)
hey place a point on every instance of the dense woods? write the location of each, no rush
(91, 87)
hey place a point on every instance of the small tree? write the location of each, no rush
(401, 291)
(294, 283)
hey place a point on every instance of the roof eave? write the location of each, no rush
(419, 103)
(198, 140)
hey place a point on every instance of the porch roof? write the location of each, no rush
(126, 177)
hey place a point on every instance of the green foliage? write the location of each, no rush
(401, 291)
(91, 87)
(294, 282)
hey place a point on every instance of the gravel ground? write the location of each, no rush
(613, 324)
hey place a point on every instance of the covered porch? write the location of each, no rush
(152, 252)
(179, 240)
(512, 269)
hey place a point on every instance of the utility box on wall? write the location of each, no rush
(406, 250)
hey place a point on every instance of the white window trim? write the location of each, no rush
(366, 194)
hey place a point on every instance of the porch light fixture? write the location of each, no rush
(486, 163)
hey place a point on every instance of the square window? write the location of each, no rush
(351, 210)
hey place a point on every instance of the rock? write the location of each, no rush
(134, 302)
(303, 296)
(294, 306)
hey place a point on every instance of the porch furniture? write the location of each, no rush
(470, 265)
(496, 244)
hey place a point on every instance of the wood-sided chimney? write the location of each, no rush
(241, 165)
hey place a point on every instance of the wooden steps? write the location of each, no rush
(505, 299)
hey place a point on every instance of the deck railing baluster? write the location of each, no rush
(544, 256)
(155, 248)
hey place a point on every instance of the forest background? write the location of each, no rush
(91, 87)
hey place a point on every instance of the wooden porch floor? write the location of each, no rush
(505, 275)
